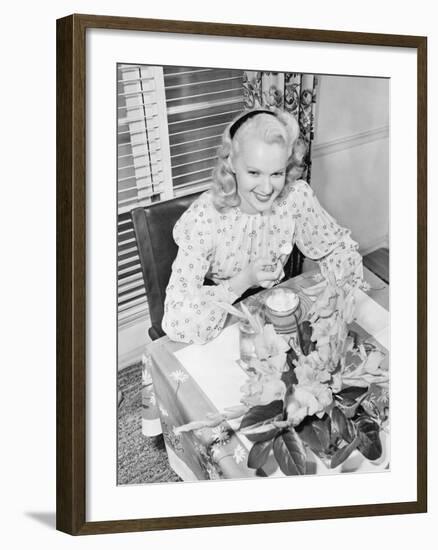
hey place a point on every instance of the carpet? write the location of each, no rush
(140, 459)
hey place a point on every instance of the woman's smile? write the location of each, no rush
(260, 170)
(263, 197)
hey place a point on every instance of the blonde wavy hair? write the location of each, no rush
(281, 128)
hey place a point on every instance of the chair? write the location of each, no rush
(153, 226)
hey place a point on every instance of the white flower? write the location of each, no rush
(239, 454)
(179, 376)
(220, 435)
(383, 397)
(311, 395)
(261, 390)
(163, 410)
(268, 344)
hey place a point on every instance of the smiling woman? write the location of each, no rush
(259, 162)
(234, 235)
(256, 152)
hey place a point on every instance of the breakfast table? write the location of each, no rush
(193, 382)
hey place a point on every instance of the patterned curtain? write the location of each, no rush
(293, 92)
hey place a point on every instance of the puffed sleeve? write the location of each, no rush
(189, 312)
(319, 237)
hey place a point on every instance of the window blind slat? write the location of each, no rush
(179, 138)
(197, 154)
(129, 295)
(202, 97)
(130, 281)
(206, 112)
(193, 167)
(206, 87)
(173, 70)
(170, 125)
(185, 179)
(199, 77)
(195, 145)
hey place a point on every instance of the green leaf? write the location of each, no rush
(338, 368)
(316, 432)
(370, 408)
(342, 425)
(289, 377)
(304, 335)
(291, 356)
(263, 432)
(368, 432)
(343, 453)
(290, 453)
(259, 453)
(345, 402)
(258, 415)
(356, 409)
(351, 394)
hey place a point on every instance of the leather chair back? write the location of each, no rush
(153, 226)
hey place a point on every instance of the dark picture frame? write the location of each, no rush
(71, 273)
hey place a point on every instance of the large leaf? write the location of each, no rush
(351, 394)
(289, 377)
(304, 334)
(291, 356)
(259, 453)
(260, 414)
(316, 432)
(261, 432)
(290, 453)
(342, 425)
(368, 432)
(343, 453)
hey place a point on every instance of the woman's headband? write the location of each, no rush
(246, 116)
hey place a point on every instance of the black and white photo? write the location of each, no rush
(253, 274)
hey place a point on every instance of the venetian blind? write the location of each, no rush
(200, 103)
(171, 120)
(143, 171)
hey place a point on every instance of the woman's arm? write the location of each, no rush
(319, 237)
(190, 314)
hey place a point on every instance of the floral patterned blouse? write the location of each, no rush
(218, 245)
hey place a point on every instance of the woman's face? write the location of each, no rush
(260, 170)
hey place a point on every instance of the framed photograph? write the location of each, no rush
(241, 274)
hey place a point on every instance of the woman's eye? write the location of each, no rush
(253, 173)
(278, 174)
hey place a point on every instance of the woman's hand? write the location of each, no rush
(262, 272)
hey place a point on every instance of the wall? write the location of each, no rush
(28, 304)
(350, 170)
(133, 339)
